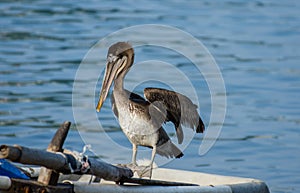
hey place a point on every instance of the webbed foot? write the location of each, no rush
(141, 171)
(144, 171)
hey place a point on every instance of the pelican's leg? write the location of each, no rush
(133, 165)
(152, 160)
(134, 151)
(146, 171)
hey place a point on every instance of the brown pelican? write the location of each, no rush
(141, 120)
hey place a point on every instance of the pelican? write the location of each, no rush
(141, 119)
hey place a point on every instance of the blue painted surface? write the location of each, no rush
(9, 170)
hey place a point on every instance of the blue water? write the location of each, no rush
(255, 44)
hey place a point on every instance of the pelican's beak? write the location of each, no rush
(106, 84)
(111, 72)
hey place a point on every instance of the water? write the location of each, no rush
(255, 43)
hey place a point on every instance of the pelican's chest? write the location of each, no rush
(143, 140)
(133, 120)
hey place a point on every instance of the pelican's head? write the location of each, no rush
(119, 60)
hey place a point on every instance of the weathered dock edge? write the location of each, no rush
(208, 183)
(255, 186)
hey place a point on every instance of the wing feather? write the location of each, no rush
(180, 109)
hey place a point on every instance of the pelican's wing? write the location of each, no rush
(180, 109)
(153, 111)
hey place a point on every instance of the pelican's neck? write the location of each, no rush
(119, 81)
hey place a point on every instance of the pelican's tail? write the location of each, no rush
(169, 150)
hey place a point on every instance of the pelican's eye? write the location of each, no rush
(111, 58)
